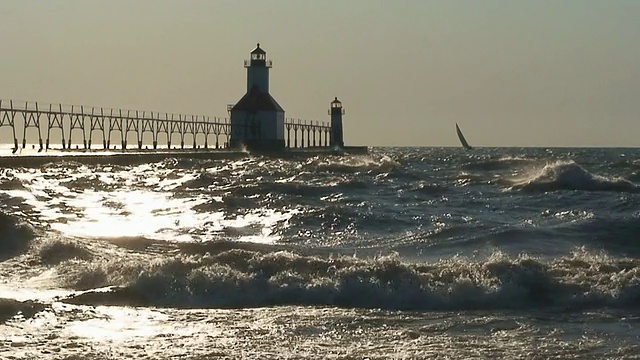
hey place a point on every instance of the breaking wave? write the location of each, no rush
(54, 251)
(567, 175)
(251, 278)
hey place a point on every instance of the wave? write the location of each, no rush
(634, 176)
(295, 188)
(202, 180)
(548, 234)
(10, 308)
(465, 179)
(567, 175)
(353, 164)
(246, 278)
(625, 164)
(341, 222)
(497, 164)
(279, 194)
(613, 234)
(8, 181)
(87, 182)
(426, 188)
(15, 236)
(55, 251)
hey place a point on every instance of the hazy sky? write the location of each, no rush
(511, 73)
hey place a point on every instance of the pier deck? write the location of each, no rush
(129, 157)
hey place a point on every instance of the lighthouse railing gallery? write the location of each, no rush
(150, 128)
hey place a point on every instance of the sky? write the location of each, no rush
(509, 72)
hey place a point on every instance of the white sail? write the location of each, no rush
(463, 141)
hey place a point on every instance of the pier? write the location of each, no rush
(256, 123)
(151, 128)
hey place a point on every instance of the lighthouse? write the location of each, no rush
(257, 120)
(336, 112)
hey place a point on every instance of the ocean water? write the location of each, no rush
(405, 253)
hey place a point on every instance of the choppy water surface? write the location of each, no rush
(404, 253)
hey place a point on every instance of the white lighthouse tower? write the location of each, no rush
(336, 112)
(258, 70)
(257, 120)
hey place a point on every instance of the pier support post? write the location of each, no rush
(206, 144)
(84, 143)
(139, 144)
(181, 144)
(24, 143)
(15, 144)
(40, 144)
(124, 145)
(168, 144)
(63, 143)
(69, 147)
(104, 144)
(88, 146)
(47, 144)
(155, 145)
(109, 144)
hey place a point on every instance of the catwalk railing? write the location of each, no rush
(68, 120)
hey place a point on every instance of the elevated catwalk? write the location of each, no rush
(153, 130)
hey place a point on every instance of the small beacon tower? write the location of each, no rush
(336, 113)
(257, 120)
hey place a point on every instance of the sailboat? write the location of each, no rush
(463, 141)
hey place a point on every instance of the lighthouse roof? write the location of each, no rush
(258, 50)
(256, 100)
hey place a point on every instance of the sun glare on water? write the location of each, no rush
(153, 212)
(159, 216)
(131, 214)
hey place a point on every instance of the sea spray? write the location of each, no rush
(567, 175)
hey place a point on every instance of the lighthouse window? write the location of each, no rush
(257, 57)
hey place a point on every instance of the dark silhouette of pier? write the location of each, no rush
(158, 127)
